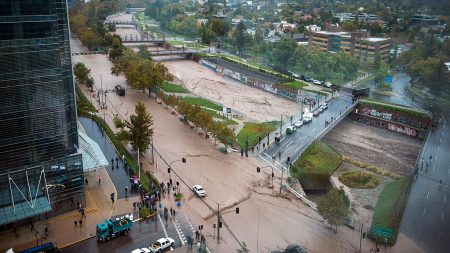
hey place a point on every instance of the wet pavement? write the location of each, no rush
(116, 170)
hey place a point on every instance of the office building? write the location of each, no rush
(41, 172)
(358, 44)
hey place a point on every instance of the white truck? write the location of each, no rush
(161, 244)
(307, 117)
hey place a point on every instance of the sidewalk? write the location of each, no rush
(62, 230)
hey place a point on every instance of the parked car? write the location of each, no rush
(320, 109)
(317, 82)
(290, 129)
(161, 244)
(120, 90)
(298, 123)
(307, 117)
(325, 106)
(142, 250)
(328, 84)
(316, 113)
(199, 191)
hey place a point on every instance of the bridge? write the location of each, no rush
(186, 52)
(121, 22)
(143, 41)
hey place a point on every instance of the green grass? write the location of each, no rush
(318, 158)
(226, 121)
(359, 180)
(391, 205)
(83, 103)
(253, 131)
(294, 85)
(202, 102)
(175, 88)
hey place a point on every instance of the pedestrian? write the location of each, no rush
(99, 179)
(75, 223)
(117, 162)
(197, 234)
(134, 206)
(82, 213)
(112, 163)
(112, 198)
(123, 157)
(279, 155)
(264, 146)
(173, 213)
(32, 226)
(86, 181)
(81, 222)
(431, 157)
(203, 240)
(46, 231)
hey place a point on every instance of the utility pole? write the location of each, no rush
(361, 235)
(281, 179)
(139, 166)
(281, 125)
(218, 222)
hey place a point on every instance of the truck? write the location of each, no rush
(112, 227)
(44, 248)
(162, 244)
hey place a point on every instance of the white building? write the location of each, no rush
(313, 28)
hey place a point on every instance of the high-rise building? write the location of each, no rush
(41, 172)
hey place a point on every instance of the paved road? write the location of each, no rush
(142, 235)
(292, 145)
(427, 216)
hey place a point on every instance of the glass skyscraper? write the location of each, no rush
(40, 168)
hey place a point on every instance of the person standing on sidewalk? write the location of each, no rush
(117, 162)
(81, 222)
(46, 230)
(75, 223)
(86, 181)
(99, 179)
(82, 213)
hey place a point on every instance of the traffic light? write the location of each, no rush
(273, 174)
(237, 210)
(220, 224)
(168, 170)
(364, 234)
(183, 160)
(258, 169)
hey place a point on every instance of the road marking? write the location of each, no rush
(178, 232)
(442, 133)
(448, 172)
(434, 166)
(442, 215)
(438, 147)
(162, 225)
(424, 211)
(428, 194)
(440, 140)
(445, 198)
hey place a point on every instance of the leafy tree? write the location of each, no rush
(349, 26)
(144, 53)
(111, 27)
(116, 49)
(282, 53)
(214, 129)
(332, 207)
(240, 37)
(90, 39)
(81, 72)
(226, 135)
(138, 130)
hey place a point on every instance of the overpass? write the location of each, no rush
(183, 51)
(121, 22)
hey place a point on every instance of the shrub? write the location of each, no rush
(359, 180)
(145, 212)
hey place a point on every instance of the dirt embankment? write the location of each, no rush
(389, 150)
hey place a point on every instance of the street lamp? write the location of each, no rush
(258, 169)
(183, 160)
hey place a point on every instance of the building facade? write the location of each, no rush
(357, 44)
(41, 172)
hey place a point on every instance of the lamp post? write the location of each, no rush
(183, 160)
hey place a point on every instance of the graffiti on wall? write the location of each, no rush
(258, 85)
(411, 122)
(287, 94)
(208, 64)
(402, 129)
(384, 115)
(270, 88)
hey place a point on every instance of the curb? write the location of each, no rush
(78, 241)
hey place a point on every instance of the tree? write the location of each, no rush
(117, 48)
(226, 135)
(349, 26)
(138, 131)
(81, 72)
(332, 208)
(90, 39)
(240, 37)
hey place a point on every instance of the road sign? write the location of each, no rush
(380, 231)
(388, 79)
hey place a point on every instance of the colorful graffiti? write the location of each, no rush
(402, 129)
(208, 64)
(287, 94)
(384, 115)
(258, 85)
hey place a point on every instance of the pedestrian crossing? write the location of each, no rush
(184, 227)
